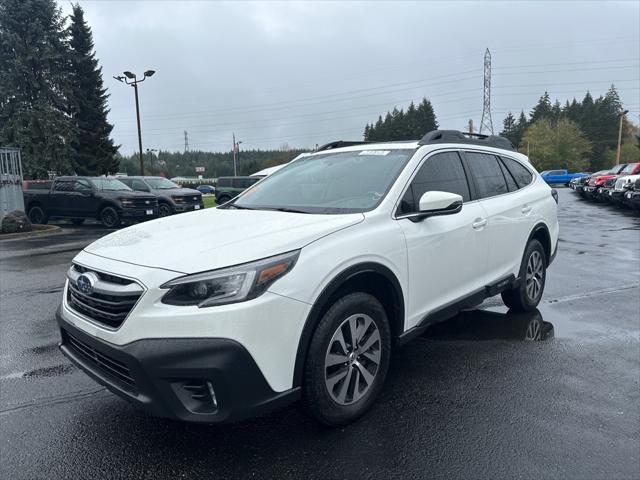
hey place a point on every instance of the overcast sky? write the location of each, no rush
(308, 73)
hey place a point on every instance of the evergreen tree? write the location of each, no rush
(509, 128)
(94, 150)
(34, 87)
(426, 118)
(543, 110)
(559, 145)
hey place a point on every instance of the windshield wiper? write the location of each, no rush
(285, 209)
(239, 207)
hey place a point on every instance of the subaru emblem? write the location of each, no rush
(85, 284)
(147, 202)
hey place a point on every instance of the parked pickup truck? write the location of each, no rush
(171, 197)
(78, 198)
(560, 176)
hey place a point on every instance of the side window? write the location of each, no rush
(521, 174)
(487, 174)
(441, 172)
(224, 182)
(511, 183)
(63, 186)
(138, 185)
(82, 186)
(242, 182)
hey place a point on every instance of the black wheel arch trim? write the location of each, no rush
(314, 316)
(541, 226)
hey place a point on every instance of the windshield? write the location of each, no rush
(161, 183)
(341, 182)
(629, 168)
(109, 184)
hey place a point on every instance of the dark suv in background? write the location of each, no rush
(228, 188)
(77, 198)
(171, 197)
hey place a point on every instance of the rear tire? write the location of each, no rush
(533, 274)
(37, 216)
(343, 376)
(109, 217)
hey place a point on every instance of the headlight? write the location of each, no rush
(229, 285)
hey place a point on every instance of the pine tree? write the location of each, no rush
(34, 87)
(509, 128)
(543, 110)
(426, 118)
(94, 150)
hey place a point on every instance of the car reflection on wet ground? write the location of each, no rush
(488, 394)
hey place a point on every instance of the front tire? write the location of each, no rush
(348, 360)
(533, 274)
(223, 199)
(165, 210)
(109, 217)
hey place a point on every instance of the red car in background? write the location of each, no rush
(596, 182)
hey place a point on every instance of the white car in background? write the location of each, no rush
(324, 267)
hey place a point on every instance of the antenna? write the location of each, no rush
(486, 124)
(186, 141)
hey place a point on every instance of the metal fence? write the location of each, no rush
(10, 181)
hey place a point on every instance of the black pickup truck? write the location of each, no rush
(105, 199)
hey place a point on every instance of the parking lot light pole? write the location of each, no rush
(621, 115)
(131, 79)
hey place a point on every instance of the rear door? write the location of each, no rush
(60, 197)
(446, 254)
(508, 214)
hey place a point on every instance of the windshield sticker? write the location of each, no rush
(375, 152)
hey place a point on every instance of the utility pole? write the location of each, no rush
(470, 125)
(236, 154)
(150, 152)
(486, 124)
(186, 141)
(134, 83)
(621, 115)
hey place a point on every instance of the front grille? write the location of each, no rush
(110, 301)
(188, 199)
(144, 202)
(110, 367)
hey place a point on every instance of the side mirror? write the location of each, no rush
(433, 204)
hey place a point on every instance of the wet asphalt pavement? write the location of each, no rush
(470, 399)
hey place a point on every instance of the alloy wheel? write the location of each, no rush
(534, 276)
(352, 359)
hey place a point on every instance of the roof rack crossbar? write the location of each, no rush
(342, 143)
(456, 136)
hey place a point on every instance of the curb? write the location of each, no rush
(41, 230)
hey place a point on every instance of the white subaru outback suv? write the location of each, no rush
(316, 273)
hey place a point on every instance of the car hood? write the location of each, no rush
(216, 238)
(175, 192)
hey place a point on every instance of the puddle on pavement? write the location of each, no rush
(55, 371)
(499, 323)
(493, 325)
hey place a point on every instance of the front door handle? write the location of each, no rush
(479, 223)
(526, 209)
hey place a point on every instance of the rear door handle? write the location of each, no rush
(479, 223)
(526, 209)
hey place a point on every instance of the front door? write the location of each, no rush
(446, 254)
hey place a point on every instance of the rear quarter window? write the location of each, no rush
(224, 182)
(521, 174)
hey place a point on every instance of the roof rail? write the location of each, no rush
(342, 143)
(456, 136)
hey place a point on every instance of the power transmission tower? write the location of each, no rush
(186, 141)
(486, 124)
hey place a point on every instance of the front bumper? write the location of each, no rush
(617, 195)
(139, 213)
(185, 207)
(172, 377)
